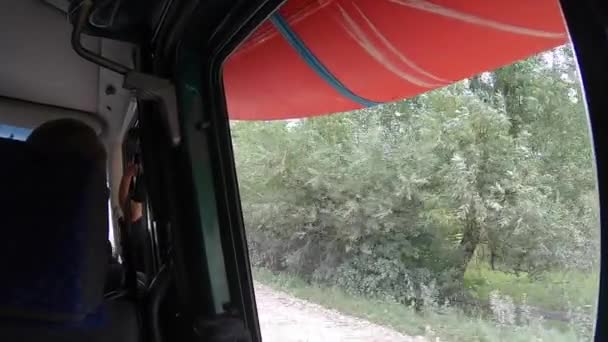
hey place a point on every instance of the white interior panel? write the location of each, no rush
(37, 62)
(30, 115)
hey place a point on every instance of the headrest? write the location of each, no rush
(54, 232)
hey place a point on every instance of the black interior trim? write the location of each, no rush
(220, 26)
(587, 22)
(155, 295)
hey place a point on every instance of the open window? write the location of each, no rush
(468, 209)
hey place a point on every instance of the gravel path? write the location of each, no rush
(284, 318)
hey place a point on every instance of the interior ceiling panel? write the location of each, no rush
(38, 64)
(30, 115)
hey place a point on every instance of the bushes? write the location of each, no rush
(394, 201)
(443, 323)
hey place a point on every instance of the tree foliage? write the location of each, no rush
(395, 201)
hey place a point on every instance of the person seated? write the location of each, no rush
(72, 137)
(68, 137)
(130, 196)
(130, 204)
(57, 225)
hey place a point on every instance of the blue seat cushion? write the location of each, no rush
(54, 233)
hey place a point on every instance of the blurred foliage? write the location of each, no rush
(396, 201)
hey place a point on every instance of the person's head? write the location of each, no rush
(68, 137)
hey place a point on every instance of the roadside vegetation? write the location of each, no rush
(468, 212)
(438, 324)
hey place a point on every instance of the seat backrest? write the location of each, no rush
(54, 253)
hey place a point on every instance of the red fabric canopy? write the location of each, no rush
(382, 50)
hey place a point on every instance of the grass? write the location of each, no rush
(445, 324)
(555, 291)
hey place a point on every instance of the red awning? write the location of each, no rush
(381, 50)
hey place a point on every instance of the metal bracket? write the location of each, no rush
(149, 87)
(146, 87)
(86, 8)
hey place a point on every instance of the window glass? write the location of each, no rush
(13, 132)
(466, 213)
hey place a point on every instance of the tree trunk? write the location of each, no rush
(469, 242)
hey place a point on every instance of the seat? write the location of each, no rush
(54, 251)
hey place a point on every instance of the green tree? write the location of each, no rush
(395, 201)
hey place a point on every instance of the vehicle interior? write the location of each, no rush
(148, 79)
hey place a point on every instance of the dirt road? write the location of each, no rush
(284, 318)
